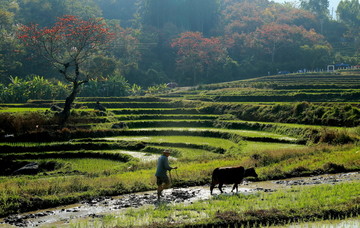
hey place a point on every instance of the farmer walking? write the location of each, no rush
(162, 180)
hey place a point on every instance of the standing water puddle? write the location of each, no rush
(106, 205)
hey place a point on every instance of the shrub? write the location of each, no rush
(299, 171)
(300, 107)
(156, 89)
(333, 168)
(19, 123)
(33, 87)
(114, 86)
(335, 137)
(49, 165)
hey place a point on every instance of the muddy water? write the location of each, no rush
(99, 207)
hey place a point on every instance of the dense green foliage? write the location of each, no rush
(225, 40)
(33, 87)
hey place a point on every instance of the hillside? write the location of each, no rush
(113, 152)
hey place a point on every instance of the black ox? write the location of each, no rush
(230, 175)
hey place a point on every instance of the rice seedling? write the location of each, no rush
(22, 109)
(226, 144)
(241, 133)
(253, 147)
(347, 222)
(258, 209)
(90, 165)
(85, 177)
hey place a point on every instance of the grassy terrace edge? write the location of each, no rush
(323, 153)
(297, 204)
(271, 165)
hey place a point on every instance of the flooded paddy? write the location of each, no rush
(100, 207)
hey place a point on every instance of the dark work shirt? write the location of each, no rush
(162, 166)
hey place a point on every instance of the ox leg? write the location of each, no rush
(220, 187)
(211, 188)
(235, 186)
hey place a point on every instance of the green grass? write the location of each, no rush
(10, 104)
(245, 133)
(89, 165)
(164, 116)
(297, 203)
(291, 125)
(317, 158)
(98, 177)
(253, 147)
(147, 109)
(216, 142)
(345, 223)
(22, 109)
(102, 179)
(196, 155)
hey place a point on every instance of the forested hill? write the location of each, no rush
(190, 41)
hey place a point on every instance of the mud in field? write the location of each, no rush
(104, 205)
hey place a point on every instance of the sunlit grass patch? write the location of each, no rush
(323, 159)
(350, 158)
(21, 109)
(26, 144)
(91, 165)
(10, 104)
(281, 207)
(165, 116)
(190, 154)
(103, 178)
(245, 133)
(184, 155)
(216, 142)
(251, 147)
(291, 125)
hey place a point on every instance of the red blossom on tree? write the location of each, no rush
(68, 44)
(273, 37)
(69, 39)
(196, 53)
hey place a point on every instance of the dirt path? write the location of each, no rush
(102, 206)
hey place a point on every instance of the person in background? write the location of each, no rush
(162, 180)
(99, 107)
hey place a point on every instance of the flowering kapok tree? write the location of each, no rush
(68, 45)
(196, 54)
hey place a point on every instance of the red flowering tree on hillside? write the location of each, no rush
(68, 45)
(197, 54)
(281, 39)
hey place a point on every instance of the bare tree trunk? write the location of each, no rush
(65, 114)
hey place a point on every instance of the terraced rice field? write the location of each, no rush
(114, 152)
